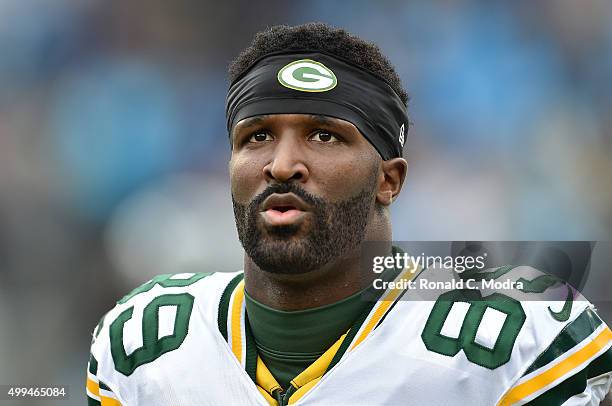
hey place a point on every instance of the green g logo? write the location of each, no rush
(307, 75)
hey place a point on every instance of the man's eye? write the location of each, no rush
(259, 137)
(323, 136)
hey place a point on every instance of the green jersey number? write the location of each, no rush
(153, 345)
(165, 281)
(479, 354)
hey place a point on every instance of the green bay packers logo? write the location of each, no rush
(307, 75)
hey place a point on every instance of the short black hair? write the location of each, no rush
(324, 38)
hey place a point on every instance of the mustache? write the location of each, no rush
(281, 188)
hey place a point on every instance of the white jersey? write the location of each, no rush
(185, 340)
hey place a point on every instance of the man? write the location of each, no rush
(317, 122)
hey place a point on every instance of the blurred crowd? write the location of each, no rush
(113, 147)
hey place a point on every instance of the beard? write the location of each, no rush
(336, 228)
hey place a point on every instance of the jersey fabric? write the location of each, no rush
(185, 340)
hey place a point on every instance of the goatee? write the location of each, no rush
(336, 228)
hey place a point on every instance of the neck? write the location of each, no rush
(331, 283)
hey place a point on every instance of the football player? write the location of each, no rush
(317, 122)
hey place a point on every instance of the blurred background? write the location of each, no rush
(113, 148)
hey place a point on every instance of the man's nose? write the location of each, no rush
(288, 163)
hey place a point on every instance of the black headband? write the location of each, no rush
(316, 83)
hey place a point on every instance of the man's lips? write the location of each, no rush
(283, 209)
(277, 218)
(284, 202)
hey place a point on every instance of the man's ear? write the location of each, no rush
(391, 181)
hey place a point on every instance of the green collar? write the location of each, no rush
(302, 332)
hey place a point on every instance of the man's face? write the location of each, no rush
(303, 189)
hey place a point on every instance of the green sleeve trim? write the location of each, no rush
(93, 402)
(572, 334)
(93, 369)
(575, 384)
(93, 365)
(99, 327)
(601, 365)
(563, 391)
(224, 304)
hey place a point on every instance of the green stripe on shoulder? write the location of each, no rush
(601, 365)
(98, 328)
(557, 395)
(575, 384)
(92, 402)
(224, 304)
(93, 365)
(572, 334)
